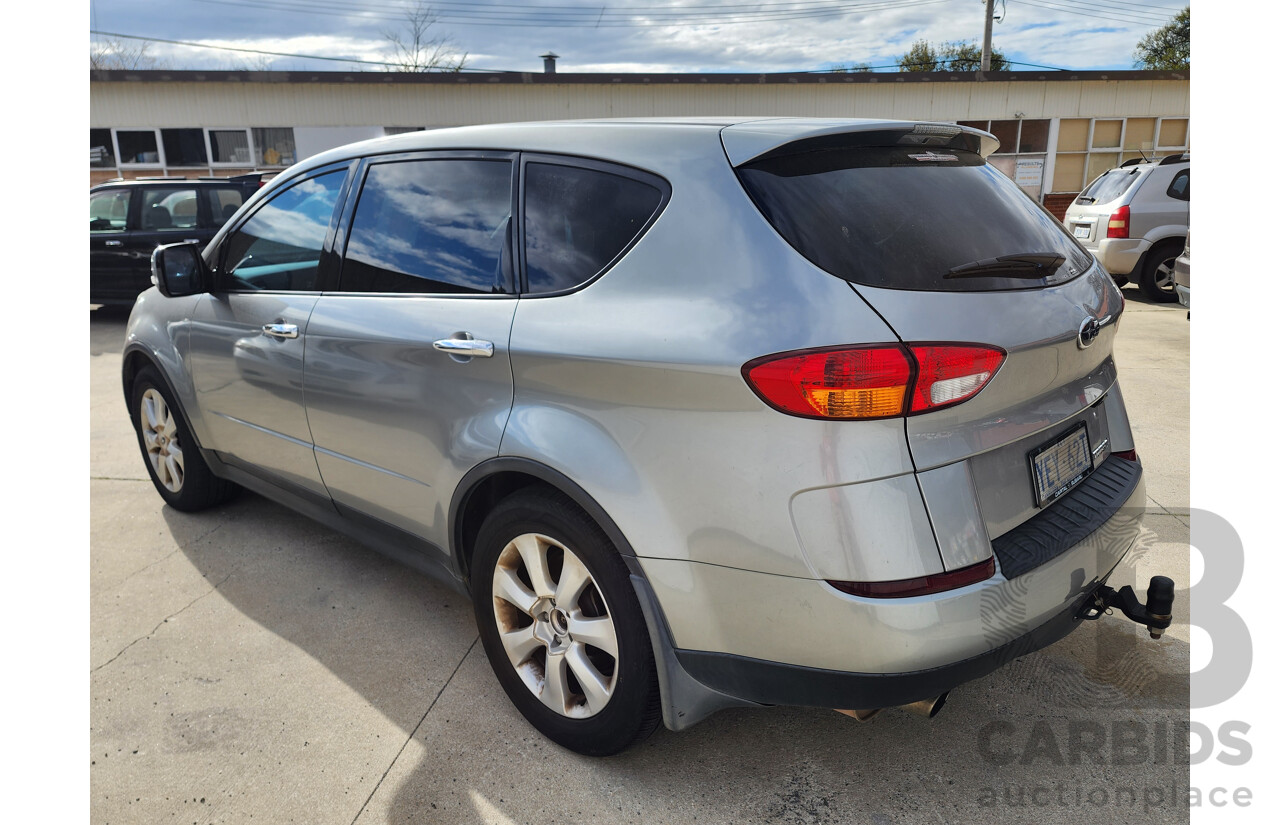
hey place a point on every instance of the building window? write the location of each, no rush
(230, 146)
(138, 146)
(102, 153)
(274, 146)
(184, 147)
(1089, 147)
(1021, 154)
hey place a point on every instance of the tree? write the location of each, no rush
(1168, 47)
(950, 56)
(921, 57)
(415, 50)
(851, 67)
(967, 57)
(114, 53)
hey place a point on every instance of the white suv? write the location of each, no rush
(1134, 219)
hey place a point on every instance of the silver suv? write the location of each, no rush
(1134, 218)
(701, 413)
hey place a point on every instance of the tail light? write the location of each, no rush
(922, 586)
(880, 381)
(1118, 223)
(1127, 455)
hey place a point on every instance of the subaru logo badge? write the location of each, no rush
(1088, 333)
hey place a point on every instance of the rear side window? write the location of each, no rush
(222, 203)
(169, 209)
(1180, 186)
(1109, 186)
(904, 218)
(431, 226)
(578, 220)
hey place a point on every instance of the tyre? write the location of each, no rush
(1157, 272)
(561, 625)
(180, 474)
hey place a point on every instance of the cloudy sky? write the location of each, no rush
(635, 35)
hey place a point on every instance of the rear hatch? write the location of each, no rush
(947, 249)
(1087, 216)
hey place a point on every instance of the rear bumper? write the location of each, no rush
(773, 683)
(750, 638)
(1120, 256)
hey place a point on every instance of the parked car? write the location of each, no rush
(1134, 218)
(1182, 275)
(128, 219)
(701, 413)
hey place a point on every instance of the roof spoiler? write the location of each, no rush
(759, 139)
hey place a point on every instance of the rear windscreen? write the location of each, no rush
(905, 218)
(1109, 186)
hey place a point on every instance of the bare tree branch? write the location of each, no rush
(114, 53)
(415, 50)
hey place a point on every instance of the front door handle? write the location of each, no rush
(281, 330)
(115, 243)
(465, 347)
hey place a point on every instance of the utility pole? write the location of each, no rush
(986, 36)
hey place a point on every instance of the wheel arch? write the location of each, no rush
(491, 481)
(138, 357)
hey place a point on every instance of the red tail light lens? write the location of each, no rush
(1118, 223)
(881, 381)
(863, 382)
(922, 586)
(951, 374)
(1127, 455)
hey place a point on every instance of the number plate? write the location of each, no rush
(1060, 465)
(1081, 230)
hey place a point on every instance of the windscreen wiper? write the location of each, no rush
(1029, 265)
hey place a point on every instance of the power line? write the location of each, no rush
(254, 51)
(1100, 15)
(1108, 8)
(578, 17)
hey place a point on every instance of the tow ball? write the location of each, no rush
(1156, 614)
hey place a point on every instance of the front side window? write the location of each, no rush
(108, 210)
(279, 247)
(431, 226)
(578, 220)
(168, 209)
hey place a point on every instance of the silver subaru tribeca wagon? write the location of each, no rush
(701, 413)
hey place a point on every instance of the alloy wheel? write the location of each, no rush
(160, 435)
(555, 626)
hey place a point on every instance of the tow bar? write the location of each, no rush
(1156, 614)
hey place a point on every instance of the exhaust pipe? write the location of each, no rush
(925, 707)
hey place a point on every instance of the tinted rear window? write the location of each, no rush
(1109, 186)
(900, 217)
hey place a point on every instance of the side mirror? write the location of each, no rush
(178, 269)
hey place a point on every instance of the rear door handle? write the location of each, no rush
(115, 243)
(191, 240)
(281, 330)
(465, 347)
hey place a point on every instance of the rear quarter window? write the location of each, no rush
(903, 218)
(579, 220)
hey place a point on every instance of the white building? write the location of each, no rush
(1058, 130)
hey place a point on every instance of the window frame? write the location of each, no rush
(121, 163)
(1179, 174)
(327, 277)
(607, 167)
(223, 164)
(352, 202)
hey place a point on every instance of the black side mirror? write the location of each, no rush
(178, 269)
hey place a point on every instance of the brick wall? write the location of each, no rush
(97, 176)
(1057, 204)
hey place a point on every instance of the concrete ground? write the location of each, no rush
(248, 665)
